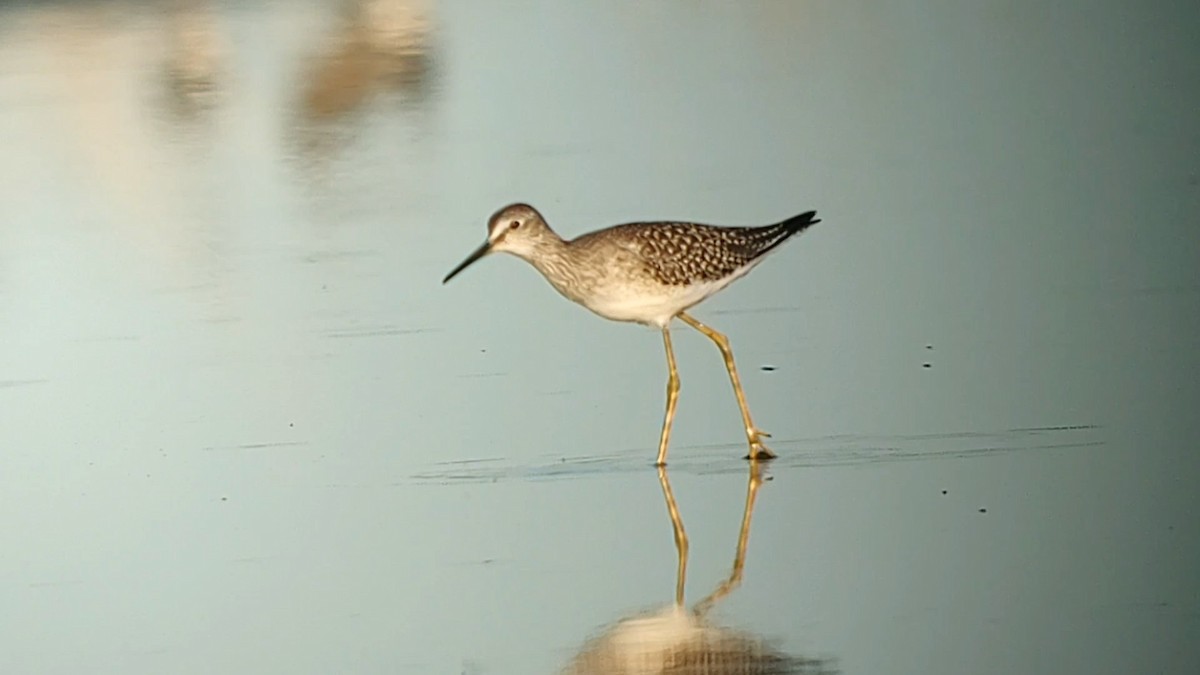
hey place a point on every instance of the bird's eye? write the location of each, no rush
(514, 224)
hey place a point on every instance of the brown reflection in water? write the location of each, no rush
(378, 46)
(681, 641)
(377, 49)
(194, 54)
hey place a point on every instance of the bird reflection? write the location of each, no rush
(379, 45)
(682, 641)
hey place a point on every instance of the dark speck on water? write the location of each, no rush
(983, 510)
(944, 492)
(768, 368)
(927, 365)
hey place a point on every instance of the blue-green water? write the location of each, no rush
(245, 429)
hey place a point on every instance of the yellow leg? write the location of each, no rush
(757, 449)
(672, 396)
(681, 540)
(739, 560)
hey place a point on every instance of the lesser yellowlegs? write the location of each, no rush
(647, 273)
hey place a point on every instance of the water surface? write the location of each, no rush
(245, 429)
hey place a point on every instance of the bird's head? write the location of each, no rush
(517, 229)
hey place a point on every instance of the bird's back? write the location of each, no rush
(681, 254)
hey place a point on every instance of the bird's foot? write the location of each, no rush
(758, 449)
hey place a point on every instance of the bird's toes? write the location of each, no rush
(759, 454)
(758, 450)
(765, 453)
(756, 435)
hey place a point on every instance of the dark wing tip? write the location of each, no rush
(776, 234)
(801, 222)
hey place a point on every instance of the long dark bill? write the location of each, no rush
(476, 255)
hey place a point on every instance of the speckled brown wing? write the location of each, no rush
(679, 254)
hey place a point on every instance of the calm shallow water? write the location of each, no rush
(245, 429)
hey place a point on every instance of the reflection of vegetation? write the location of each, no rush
(193, 59)
(377, 48)
(380, 45)
(680, 641)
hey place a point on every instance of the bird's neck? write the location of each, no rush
(548, 246)
(551, 256)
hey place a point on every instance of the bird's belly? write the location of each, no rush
(656, 310)
(653, 305)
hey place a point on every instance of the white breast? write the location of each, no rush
(654, 305)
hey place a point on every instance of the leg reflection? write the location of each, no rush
(739, 558)
(681, 540)
(676, 640)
